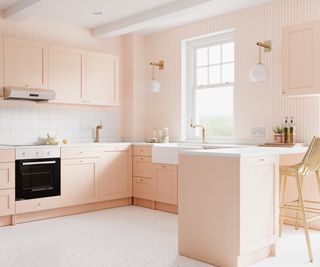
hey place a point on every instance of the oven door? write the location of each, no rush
(37, 178)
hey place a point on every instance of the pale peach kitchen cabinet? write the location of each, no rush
(25, 64)
(152, 181)
(115, 179)
(79, 183)
(142, 172)
(66, 74)
(7, 182)
(77, 76)
(165, 182)
(301, 59)
(102, 79)
(79, 176)
(83, 77)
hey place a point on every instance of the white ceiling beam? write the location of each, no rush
(18, 7)
(136, 22)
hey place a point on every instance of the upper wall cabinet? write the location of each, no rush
(102, 78)
(66, 74)
(301, 59)
(77, 76)
(25, 64)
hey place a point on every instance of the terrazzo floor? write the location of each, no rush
(121, 237)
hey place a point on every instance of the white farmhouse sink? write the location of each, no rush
(169, 153)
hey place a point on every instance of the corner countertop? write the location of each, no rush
(242, 152)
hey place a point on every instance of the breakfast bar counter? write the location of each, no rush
(228, 203)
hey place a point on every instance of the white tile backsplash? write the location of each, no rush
(24, 122)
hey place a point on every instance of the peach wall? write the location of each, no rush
(134, 87)
(56, 33)
(256, 104)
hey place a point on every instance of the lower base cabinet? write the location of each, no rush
(115, 179)
(165, 178)
(79, 181)
(7, 202)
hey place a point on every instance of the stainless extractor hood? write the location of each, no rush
(32, 94)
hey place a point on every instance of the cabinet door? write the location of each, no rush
(7, 175)
(259, 207)
(25, 64)
(165, 183)
(115, 175)
(301, 59)
(7, 202)
(66, 75)
(101, 79)
(79, 181)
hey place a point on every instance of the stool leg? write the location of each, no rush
(283, 184)
(318, 180)
(304, 218)
(298, 205)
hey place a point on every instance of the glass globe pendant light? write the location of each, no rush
(260, 72)
(154, 85)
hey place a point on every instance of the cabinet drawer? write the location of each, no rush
(142, 188)
(7, 202)
(142, 150)
(79, 152)
(7, 155)
(7, 175)
(115, 148)
(30, 205)
(142, 166)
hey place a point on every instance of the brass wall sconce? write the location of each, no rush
(154, 85)
(260, 72)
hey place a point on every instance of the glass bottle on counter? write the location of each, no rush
(292, 132)
(286, 131)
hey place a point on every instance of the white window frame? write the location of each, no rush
(191, 83)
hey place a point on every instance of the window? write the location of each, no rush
(210, 65)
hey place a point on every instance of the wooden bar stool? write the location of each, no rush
(310, 164)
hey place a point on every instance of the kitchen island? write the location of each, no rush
(228, 203)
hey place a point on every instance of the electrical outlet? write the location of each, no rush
(258, 132)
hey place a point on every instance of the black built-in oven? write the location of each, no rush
(37, 178)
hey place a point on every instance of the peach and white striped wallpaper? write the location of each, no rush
(256, 104)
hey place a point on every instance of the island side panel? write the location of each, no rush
(310, 187)
(259, 201)
(209, 208)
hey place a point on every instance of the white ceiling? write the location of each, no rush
(6, 3)
(79, 12)
(123, 16)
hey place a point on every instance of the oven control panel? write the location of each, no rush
(37, 153)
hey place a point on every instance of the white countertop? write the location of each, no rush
(66, 145)
(4, 147)
(249, 151)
